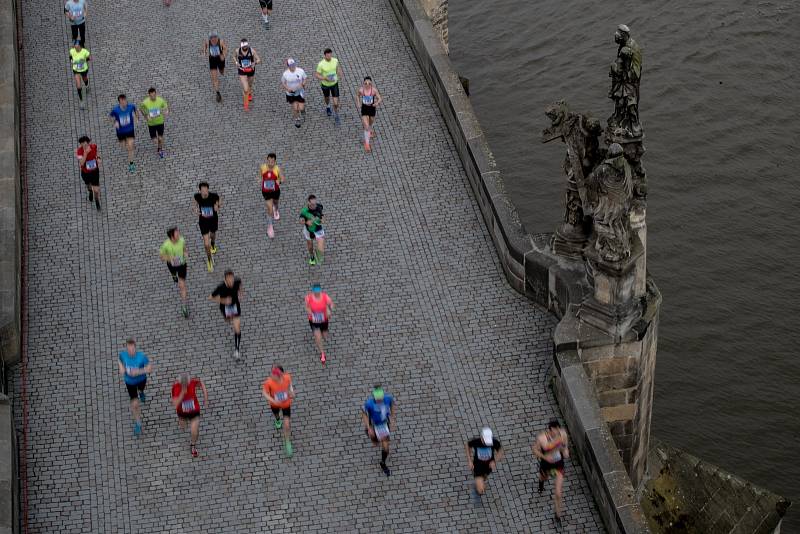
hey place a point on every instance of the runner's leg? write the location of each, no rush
(557, 496)
(318, 340)
(480, 485)
(236, 323)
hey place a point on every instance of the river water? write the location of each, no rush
(720, 110)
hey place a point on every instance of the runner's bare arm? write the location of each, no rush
(223, 49)
(205, 393)
(537, 447)
(256, 57)
(121, 368)
(365, 420)
(195, 207)
(339, 72)
(565, 446)
(148, 368)
(499, 454)
(392, 421)
(179, 398)
(378, 97)
(469, 456)
(204, 53)
(267, 396)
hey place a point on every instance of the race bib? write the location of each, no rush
(317, 317)
(91, 164)
(231, 310)
(269, 185)
(80, 65)
(367, 100)
(78, 13)
(187, 406)
(281, 396)
(130, 370)
(331, 77)
(246, 63)
(153, 113)
(124, 120)
(484, 454)
(206, 211)
(381, 431)
(556, 457)
(177, 261)
(213, 50)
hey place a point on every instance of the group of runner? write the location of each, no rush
(378, 411)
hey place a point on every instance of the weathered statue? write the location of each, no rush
(580, 134)
(610, 193)
(626, 73)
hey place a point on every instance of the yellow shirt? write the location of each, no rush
(80, 60)
(328, 70)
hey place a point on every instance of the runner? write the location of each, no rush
(319, 307)
(217, 51)
(75, 11)
(227, 295)
(154, 110)
(279, 392)
(89, 162)
(184, 400)
(124, 118)
(173, 252)
(294, 83)
(369, 98)
(80, 57)
(134, 366)
(311, 219)
(329, 72)
(551, 447)
(483, 453)
(246, 61)
(266, 11)
(378, 418)
(271, 178)
(206, 207)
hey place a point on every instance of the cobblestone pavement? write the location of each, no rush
(422, 303)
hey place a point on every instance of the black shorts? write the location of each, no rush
(546, 468)
(332, 90)
(208, 224)
(133, 390)
(481, 469)
(121, 136)
(265, 4)
(318, 326)
(216, 63)
(189, 416)
(368, 111)
(295, 98)
(271, 195)
(249, 73)
(180, 271)
(158, 129)
(91, 178)
(287, 412)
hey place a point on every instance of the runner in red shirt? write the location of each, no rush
(319, 307)
(279, 392)
(271, 178)
(184, 399)
(89, 161)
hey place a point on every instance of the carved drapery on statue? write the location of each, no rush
(626, 75)
(610, 192)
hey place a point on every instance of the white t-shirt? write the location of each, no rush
(77, 10)
(294, 80)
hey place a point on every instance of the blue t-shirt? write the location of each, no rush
(137, 361)
(378, 412)
(78, 10)
(124, 117)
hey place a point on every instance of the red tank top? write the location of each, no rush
(269, 180)
(189, 405)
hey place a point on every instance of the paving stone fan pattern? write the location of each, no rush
(422, 306)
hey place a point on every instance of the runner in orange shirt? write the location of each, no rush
(279, 392)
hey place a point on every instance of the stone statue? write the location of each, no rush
(610, 194)
(626, 73)
(581, 135)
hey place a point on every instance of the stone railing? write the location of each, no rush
(531, 269)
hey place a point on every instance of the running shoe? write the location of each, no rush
(210, 266)
(270, 231)
(336, 119)
(161, 154)
(289, 449)
(97, 204)
(557, 521)
(297, 123)
(249, 97)
(386, 470)
(367, 147)
(541, 486)
(131, 167)
(219, 97)
(236, 354)
(214, 249)
(82, 105)
(194, 452)
(312, 261)
(142, 397)
(91, 195)
(185, 311)
(247, 105)
(328, 111)
(278, 424)
(137, 429)
(175, 278)
(276, 214)
(322, 358)
(86, 87)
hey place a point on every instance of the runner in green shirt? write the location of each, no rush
(79, 58)
(311, 219)
(329, 73)
(154, 109)
(173, 252)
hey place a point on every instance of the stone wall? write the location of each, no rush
(10, 197)
(9, 484)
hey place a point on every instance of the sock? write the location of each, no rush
(327, 106)
(541, 486)
(384, 455)
(237, 339)
(80, 94)
(366, 136)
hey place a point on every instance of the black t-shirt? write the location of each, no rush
(481, 454)
(223, 291)
(207, 210)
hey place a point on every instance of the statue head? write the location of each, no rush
(622, 34)
(557, 112)
(615, 150)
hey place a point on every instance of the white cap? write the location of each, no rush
(486, 436)
(290, 62)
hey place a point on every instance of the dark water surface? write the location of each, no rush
(720, 110)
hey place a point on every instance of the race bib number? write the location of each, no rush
(78, 13)
(177, 261)
(187, 406)
(91, 164)
(269, 185)
(131, 370)
(331, 77)
(246, 63)
(207, 211)
(317, 317)
(556, 457)
(80, 65)
(214, 50)
(367, 100)
(381, 431)
(153, 113)
(484, 454)
(231, 310)
(281, 396)
(124, 120)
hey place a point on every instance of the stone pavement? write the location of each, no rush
(422, 305)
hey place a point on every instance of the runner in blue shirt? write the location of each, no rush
(134, 366)
(378, 418)
(124, 118)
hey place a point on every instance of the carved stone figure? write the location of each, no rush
(626, 74)
(610, 194)
(581, 135)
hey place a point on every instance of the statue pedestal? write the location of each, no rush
(613, 306)
(569, 241)
(639, 227)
